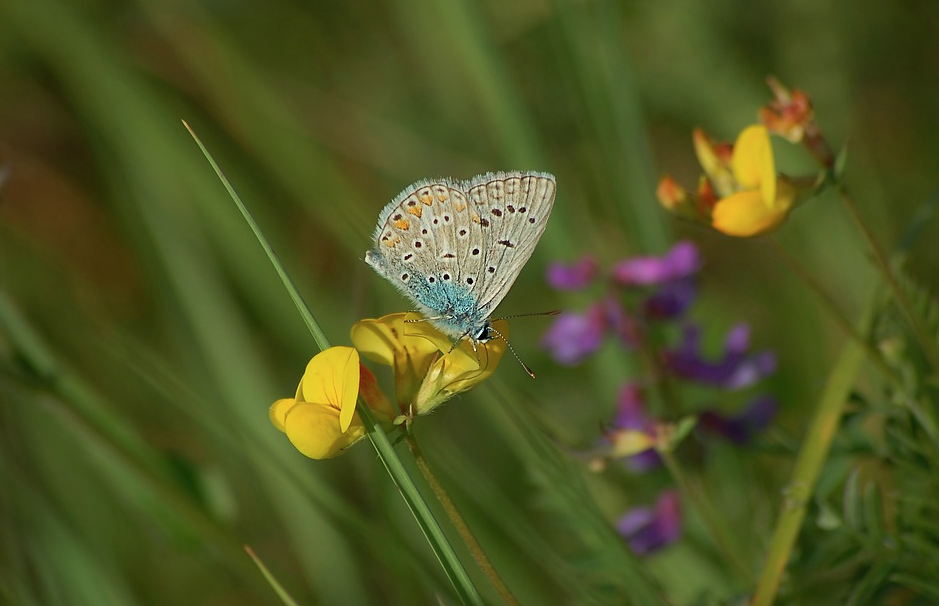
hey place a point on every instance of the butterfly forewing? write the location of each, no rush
(515, 207)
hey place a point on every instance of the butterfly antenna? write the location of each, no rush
(512, 349)
(553, 312)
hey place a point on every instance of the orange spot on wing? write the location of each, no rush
(391, 242)
(475, 218)
(402, 224)
(459, 207)
(427, 199)
(416, 211)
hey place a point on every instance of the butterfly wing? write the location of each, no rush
(423, 243)
(456, 247)
(512, 210)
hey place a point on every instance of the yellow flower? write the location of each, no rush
(740, 194)
(628, 442)
(428, 369)
(321, 421)
(756, 201)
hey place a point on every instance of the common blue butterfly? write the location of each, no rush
(456, 247)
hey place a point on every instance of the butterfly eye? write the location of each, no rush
(484, 334)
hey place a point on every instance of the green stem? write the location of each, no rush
(460, 524)
(812, 455)
(703, 505)
(926, 342)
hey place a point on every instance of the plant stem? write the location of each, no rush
(812, 455)
(926, 342)
(460, 524)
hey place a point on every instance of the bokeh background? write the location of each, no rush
(136, 456)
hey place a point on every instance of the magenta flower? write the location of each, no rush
(631, 416)
(681, 261)
(735, 370)
(741, 427)
(670, 300)
(648, 529)
(574, 336)
(575, 276)
(619, 323)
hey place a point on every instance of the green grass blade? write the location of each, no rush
(271, 579)
(321, 341)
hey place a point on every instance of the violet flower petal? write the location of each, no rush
(629, 410)
(740, 428)
(735, 370)
(681, 261)
(620, 323)
(671, 299)
(649, 529)
(573, 337)
(574, 276)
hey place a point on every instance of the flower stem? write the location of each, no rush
(703, 505)
(460, 524)
(808, 466)
(837, 313)
(928, 345)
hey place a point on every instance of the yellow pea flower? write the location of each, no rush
(321, 421)
(758, 201)
(428, 369)
(740, 193)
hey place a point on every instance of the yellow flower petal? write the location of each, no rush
(627, 442)
(707, 156)
(278, 411)
(461, 369)
(714, 158)
(376, 340)
(753, 163)
(313, 429)
(332, 377)
(382, 339)
(391, 340)
(745, 214)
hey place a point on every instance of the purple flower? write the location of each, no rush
(648, 529)
(619, 323)
(681, 261)
(671, 299)
(630, 415)
(573, 336)
(741, 427)
(629, 410)
(735, 370)
(572, 277)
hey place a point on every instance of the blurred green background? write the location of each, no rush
(136, 457)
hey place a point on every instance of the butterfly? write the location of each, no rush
(456, 247)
